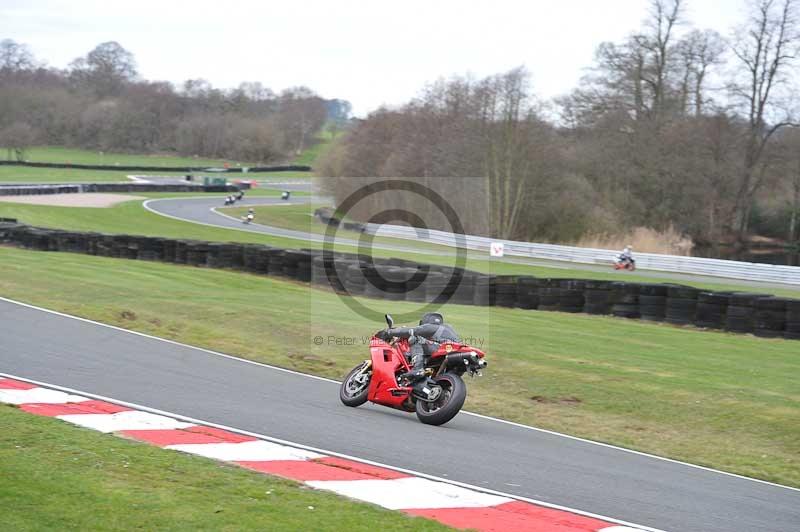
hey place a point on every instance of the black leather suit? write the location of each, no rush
(424, 340)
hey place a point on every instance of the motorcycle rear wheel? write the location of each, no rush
(445, 408)
(353, 393)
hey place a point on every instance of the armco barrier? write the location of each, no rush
(134, 168)
(26, 190)
(402, 280)
(646, 261)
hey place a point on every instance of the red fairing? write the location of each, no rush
(386, 360)
(449, 348)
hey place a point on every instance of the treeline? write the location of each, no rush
(100, 102)
(672, 128)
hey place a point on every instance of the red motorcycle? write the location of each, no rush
(376, 379)
(625, 264)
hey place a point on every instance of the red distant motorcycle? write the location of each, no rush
(376, 379)
(625, 264)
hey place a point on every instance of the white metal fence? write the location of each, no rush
(646, 261)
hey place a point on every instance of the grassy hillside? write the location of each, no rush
(721, 400)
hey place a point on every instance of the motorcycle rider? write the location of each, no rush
(424, 340)
(250, 215)
(626, 257)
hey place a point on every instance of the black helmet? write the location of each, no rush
(431, 318)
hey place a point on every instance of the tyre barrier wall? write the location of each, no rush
(27, 190)
(394, 279)
(235, 170)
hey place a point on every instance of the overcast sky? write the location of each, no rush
(369, 52)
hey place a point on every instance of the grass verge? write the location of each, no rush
(711, 398)
(60, 477)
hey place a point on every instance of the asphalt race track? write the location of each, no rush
(521, 461)
(199, 210)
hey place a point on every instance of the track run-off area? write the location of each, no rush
(499, 457)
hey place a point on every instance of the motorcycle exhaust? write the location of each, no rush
(463, 358)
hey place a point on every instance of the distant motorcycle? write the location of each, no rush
(376, 379)
(624, 264)
(247, 219)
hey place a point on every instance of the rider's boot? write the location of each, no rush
(417, 373)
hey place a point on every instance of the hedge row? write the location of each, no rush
(27, 190)
(285, 168)
(401, 280)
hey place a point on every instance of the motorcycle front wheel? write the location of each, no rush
(355, 387)
(447, 404)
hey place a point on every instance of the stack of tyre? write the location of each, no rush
(214, 257)
(741, 314)
(78, 243)
(681, 304)
(417, 285)
(770, 317)
(653, 302)
(792, 331)
(105, 246)
(485, 290)
(440, 287)
(169, 250)
(297, 264)
(234, 255)
(250, 257)
(126, 247)
(625, 300)
(374, 282)
(712, 309)
(196, 253)
(597, 297)
(151, 249)
(506, 291)
(527, 292)
(549, 294)
(571, 295)
(464, 293)
(395, 281)
(275, 265)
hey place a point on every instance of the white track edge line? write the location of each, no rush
(332, 453)
(483, 416)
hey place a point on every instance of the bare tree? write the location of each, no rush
(106, 68)
(699, 51)
(15, 56)
(663, 17)
(767, 48)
